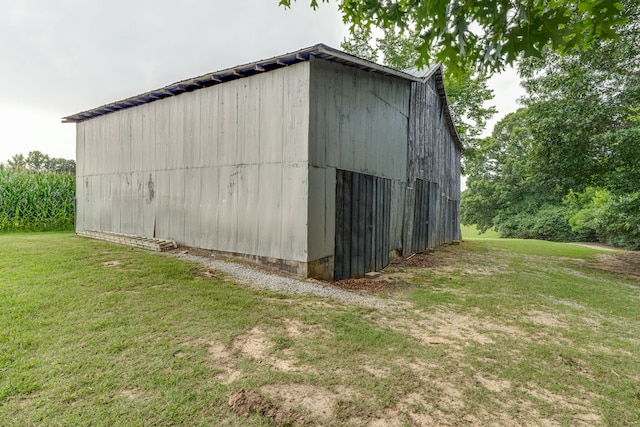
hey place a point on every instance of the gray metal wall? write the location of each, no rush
(358, 122)
(224, 167)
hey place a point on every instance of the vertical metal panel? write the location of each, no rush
(149, 204)
(295, 114)
(271, 108)
(94, 203)
(162, 140)
(228, 123)
(228, 208)
(176, 204)
(163, 204)
(294, 210)
(192, 201)
(248, 146)
(136, 139)
(176, 132)
(270, 208)
(192, 147)
(137, 203)
(248, 201)
(148, 148)
(317, 234)
(122, 124)
(209, 206)
(105, 203)
(80, 204)
(126, 203)
(209, 128)
(330, 207)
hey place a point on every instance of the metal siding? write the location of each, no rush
(137, 139)
(248, 201)
(137, 203)
(126, 203)
(177, 204)
(248, 146)
(209, 205)
(295, 187)
(176, 132)
(228, 123)
(317, 233)
(148, 143)
(270, 209)
(162, 212)
(193, 233)
(209, 126)
(162, 141)
(295, 117)
(228, 208)
(192, 133)
(271, 111)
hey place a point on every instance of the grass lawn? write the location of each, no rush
(502, 332)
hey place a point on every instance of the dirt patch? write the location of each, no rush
(113, 263)
(318, 401)
(625, 264)
(363, 284)
(426, 260)
(244, 402)
(544, 319)
(254, 344)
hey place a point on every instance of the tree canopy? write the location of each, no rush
(485, 34)
(36, 161)
(567, 166)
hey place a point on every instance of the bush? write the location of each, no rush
(36, 201)
(609, 218)
(547, 223)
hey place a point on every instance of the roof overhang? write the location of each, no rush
(320, 51)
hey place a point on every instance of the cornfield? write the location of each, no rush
(36, 201)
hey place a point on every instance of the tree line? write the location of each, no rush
(36, 161)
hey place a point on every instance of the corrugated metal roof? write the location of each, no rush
(321, 51)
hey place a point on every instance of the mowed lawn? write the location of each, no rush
(501, 332)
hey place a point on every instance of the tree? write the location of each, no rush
(17, 162)
(36, 161)
(485, 34)
(585, 114)
(467, 92)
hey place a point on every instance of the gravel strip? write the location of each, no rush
(261, 279)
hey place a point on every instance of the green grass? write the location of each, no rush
(470, 232)
(495, 331)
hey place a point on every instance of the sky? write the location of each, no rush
(66, 56)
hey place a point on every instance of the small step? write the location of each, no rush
(158, 245)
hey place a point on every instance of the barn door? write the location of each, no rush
(420, 236)
(362, 224)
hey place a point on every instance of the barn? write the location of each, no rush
(316, 162)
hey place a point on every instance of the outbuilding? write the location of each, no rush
(316, 161)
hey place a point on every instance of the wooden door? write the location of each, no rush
(362, 224)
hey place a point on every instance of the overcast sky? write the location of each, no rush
(65, 56)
